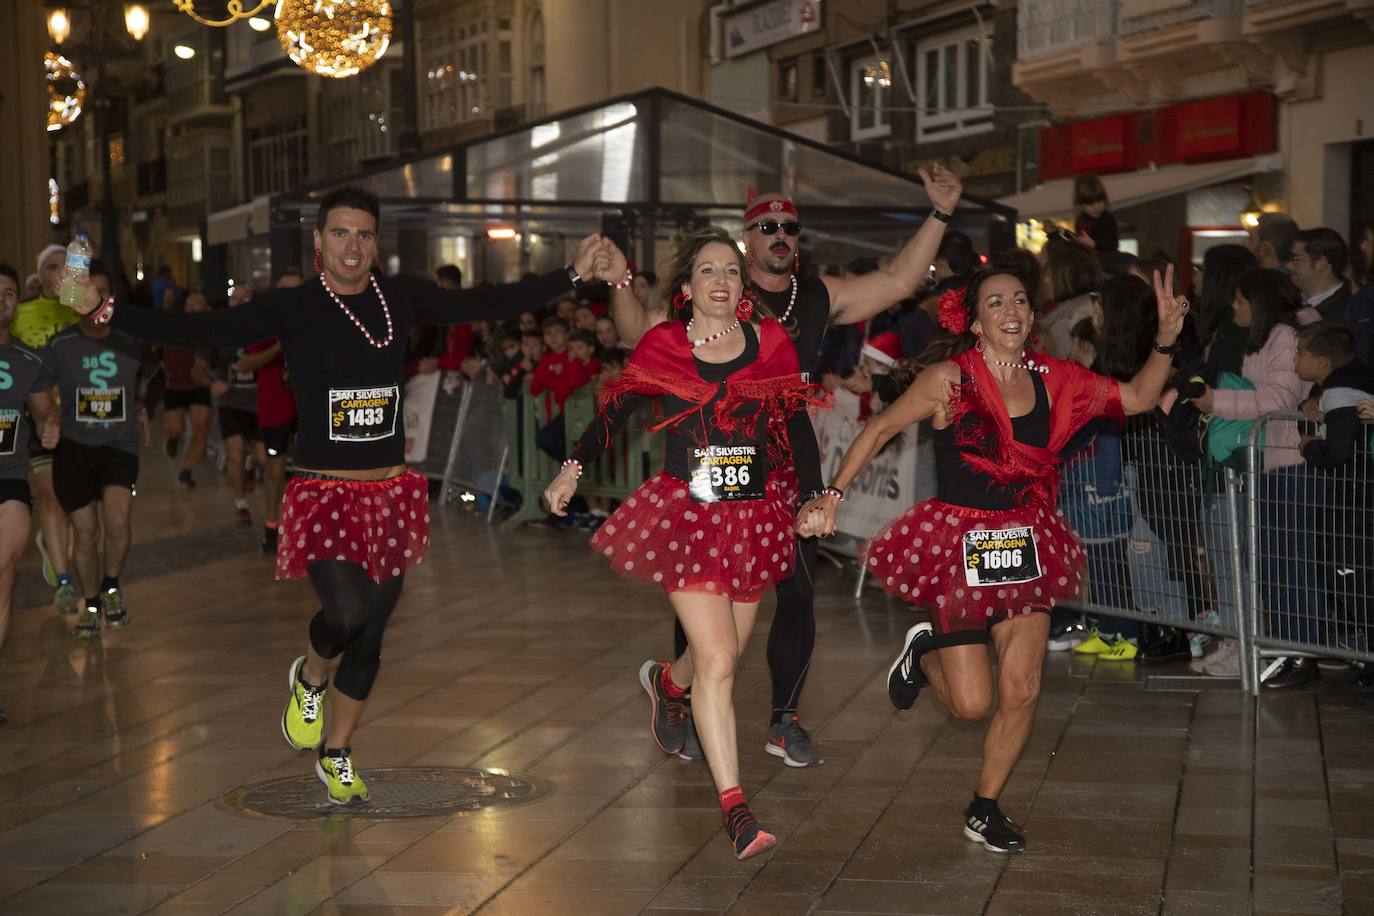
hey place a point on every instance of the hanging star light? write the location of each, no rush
(66, 91)
(336, 38)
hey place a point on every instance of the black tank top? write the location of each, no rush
(957, 484)
(808, 320)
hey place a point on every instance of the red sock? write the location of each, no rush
(730, 798)
(270, 523)
(665, 680)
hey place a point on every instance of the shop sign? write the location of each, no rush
(1098, 146)
(1207, 128)
(753, 27)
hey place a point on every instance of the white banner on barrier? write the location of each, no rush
(883, 490)
(421, 391)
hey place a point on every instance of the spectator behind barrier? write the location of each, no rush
(1319, 263)
(1223, 341)
(1094, 227)
(1326, 358)
(1271, 240)
(1360, 311)
(1072, 280)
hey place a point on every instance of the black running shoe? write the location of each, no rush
(269, 540)
(746, 834)
(905, 678)
(667, 716)
(994, 830)
(186, 480)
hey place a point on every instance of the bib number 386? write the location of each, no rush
(723, 473)
(1004, 557)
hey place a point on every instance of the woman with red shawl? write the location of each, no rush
(991, 554)
(714, 529)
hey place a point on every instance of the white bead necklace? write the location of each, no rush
(790, 305)
(390, 329)
(1029, 365)
(716, 336)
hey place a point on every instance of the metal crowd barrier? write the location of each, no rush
(1310, 563)
(478, 449)
(622, 468)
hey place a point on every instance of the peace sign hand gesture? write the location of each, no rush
(1172, 309)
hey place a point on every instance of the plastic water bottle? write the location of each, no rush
(73, 295)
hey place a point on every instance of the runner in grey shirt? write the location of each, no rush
(236, 406)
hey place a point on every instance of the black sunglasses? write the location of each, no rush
(771, 227)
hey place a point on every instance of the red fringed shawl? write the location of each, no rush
(1077, 396)
(771, 386)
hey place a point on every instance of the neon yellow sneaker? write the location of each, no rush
(1093, 645)
(302, 724)
(1121, 650)
(335, 769)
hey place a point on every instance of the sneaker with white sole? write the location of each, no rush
(1224, 662)
(302, 723)
(691, 744)
(789, 740)
(905, 677)
(1064, 638)
(335, 770)
(994, 830)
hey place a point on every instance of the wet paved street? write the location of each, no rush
(520, 652)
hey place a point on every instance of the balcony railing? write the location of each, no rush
(1047, 26)
(1135, 18)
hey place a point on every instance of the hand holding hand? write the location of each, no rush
(943, 187)
(219, 387)
(817, 517)
(561, 490)
(587, 251)
(51, 432)
(611, 262)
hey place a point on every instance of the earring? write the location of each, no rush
(980, 345)
(744, 310)
(796, 262)
(680, 301)
(318, 265)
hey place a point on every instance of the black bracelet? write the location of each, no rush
(941, 215)
(575, 278)
(1171, 350)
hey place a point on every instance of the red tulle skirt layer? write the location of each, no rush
(382, 525)
(662, 536)
(920, 558)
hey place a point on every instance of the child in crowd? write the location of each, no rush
(584, 318)
(582, 347)
(607, 337)
(1326, 357)
(558, 375)
(1095, 227)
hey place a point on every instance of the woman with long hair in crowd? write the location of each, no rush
(714, 529)
(1269, 308)
(991, 554)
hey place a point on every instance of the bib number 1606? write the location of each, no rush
(1003, 559)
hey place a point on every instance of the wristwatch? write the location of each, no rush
(1171, 350)
(941, 215)
(575, 277)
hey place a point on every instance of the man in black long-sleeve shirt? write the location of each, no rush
(355, 519)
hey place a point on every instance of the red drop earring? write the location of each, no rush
(318, 265)
(980, 345)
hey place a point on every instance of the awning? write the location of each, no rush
(1054, 199)
(238, 223)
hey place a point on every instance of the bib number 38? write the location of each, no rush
(1004, 557)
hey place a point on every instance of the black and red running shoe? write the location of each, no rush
(746, 834)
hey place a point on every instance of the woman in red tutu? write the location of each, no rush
(991, 554)
(713, 530)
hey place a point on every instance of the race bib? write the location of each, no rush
(243, 380)
(727, 472)
(1003, 557)
(363, 414)
(9, 431)
(100, 405)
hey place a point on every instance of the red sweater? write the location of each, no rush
(560, 375)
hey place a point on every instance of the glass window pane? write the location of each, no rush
(973, 66)
(932, 100)
(951, 77)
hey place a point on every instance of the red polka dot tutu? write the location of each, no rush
(382, 525)
(735, 548)
(920, 558)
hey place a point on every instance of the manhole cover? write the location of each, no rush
(393, 793)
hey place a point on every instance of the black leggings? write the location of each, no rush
(353, 615)
(792, 638)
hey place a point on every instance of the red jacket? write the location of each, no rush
(560, 375)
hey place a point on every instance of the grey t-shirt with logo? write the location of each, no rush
(23, 372)
(99, 379)
(243, 386)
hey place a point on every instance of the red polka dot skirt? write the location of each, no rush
(662, 536)
(920, 558)
(382, 525)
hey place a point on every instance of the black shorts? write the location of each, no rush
(15, 489)
(277, 439)
(81, 473)
(235, 422)
(40, 458)
(180, 400)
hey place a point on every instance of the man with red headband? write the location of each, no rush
(806, 305)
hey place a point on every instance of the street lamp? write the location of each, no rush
(136, 20)
(59, 25)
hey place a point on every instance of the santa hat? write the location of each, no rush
(885, 349)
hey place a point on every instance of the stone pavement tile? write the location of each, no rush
(790, 878)
(367, 909)
(567, 902)
(1200, 863)
(771, 904)
(1090, 838)
(1206, 903)
(93, 899)
(1105, 800)
(308, 886)
(944, 861)
(1303, 846)
(1318, 896)
(1019, 903)
(1203, 818)
(14, 880)
(165, 870)
(397, 888)
(593, 875)
(902, 897)
(713, 893)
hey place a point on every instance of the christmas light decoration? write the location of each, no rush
(66, 91)
(334, 38)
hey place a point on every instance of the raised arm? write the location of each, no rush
(929, 393)
(854, 299)
(1141, 393)
(498, 303)
(632, 319)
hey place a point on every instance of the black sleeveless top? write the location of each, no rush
(957, 484)
(808, 320)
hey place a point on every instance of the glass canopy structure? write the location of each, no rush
(643, 167)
